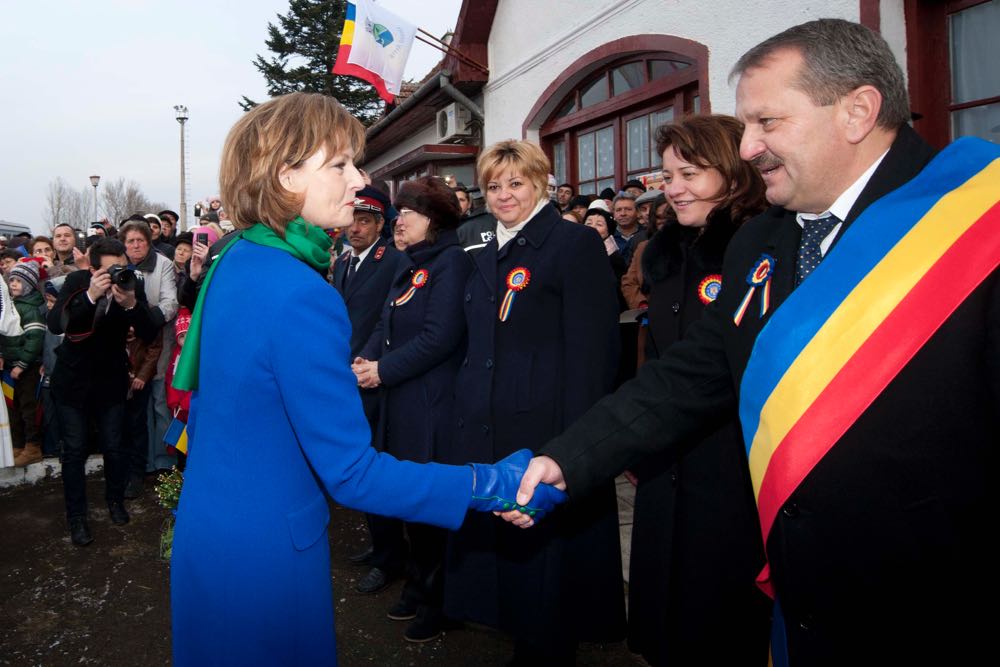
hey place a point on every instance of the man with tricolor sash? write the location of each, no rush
(858, 332)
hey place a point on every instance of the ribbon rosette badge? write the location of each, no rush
(709, 288)
(517, 280)
(419, 280)
(759, 276)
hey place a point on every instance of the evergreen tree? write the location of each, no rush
(305, 45)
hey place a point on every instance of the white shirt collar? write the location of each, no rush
(845, 202)
(361, 256)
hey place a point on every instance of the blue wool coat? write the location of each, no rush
(419, 345)
(250, 573)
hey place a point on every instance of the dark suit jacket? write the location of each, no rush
(92, 366)
(364, 299)
(882, 552)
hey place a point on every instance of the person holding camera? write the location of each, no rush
(95, 309)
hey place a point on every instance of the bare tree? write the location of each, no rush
(55, 203)
(122, 198)
(79, 207)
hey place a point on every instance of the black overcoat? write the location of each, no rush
(882, 554)
(522, 381)
(364, 298)
(419, 345)
(696, 545)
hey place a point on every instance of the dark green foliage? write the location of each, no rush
(305, 44)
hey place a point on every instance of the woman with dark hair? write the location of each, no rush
(414, 354)
(696, 545)
(250, 569)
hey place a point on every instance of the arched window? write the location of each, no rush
(598, 121)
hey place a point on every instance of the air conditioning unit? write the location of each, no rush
(453, 123)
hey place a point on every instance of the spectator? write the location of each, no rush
(64, 243)
(608, 195)
(632, 281)
(90, 380)
(21, 357)
(634, 188)
(51, 433)
(629, 233)
(158, 244)
(10, 325)
(182, 253)
(168, 225)
(8, 260)
(161, 295)
(97, 229)
(564, 195)
(573, 216)
(142, 358)
(464, 201)
(602, 223)
(413, 354)
(579, 205)
(644, 206)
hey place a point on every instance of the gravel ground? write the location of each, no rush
(109, 603)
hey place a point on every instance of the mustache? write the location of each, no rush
(765, 161)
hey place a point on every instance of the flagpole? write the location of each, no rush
(451, 51)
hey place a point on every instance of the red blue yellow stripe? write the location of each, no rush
(896, 275)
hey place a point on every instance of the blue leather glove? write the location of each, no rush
(494, 488)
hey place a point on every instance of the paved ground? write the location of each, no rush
(108, 603)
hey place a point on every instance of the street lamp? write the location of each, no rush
(182, 116)
(94, 180)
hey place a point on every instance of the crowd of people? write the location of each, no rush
(84, 370)
(475, 330)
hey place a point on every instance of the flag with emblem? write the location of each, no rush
(374, 47)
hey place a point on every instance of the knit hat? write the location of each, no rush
(28, 272)
(609, 220)
(183, 322)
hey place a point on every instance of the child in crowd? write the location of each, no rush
(21, 356)
(178, 400)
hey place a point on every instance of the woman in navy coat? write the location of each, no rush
(414, 354)
(542, 314)
(250, 573)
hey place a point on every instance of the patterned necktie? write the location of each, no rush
(351, 270)
(810, 255)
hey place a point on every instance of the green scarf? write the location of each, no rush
(302, 241)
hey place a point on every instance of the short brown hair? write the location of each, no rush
(285, 131)
(521, 156)
(39, 239)
(713, 142)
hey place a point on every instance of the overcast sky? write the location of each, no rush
(89, 88)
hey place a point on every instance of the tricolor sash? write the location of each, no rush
(890, 282)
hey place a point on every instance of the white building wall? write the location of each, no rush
(428, 135)
(533, 42)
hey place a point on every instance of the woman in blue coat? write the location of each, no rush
(265, 356)
(413, 354)
(542, 315)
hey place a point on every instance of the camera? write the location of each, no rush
(202, 238)
(81, 241)
(197, 210)
(122, 276)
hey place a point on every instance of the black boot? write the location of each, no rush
(426, 626)
(118, 513)
(79, 531)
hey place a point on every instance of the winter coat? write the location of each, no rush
(26, 349)
(419, 343)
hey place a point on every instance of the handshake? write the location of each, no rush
(518, 488)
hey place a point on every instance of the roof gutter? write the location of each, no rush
(420, 94)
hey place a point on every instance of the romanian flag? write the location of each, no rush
(374, 47)
(8, 388)
(176, 436)
(897, 274)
